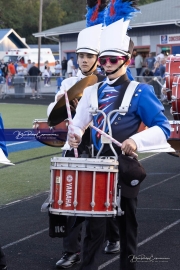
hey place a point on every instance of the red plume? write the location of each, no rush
(95, 14)
(112, 10)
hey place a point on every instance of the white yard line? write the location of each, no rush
(25, 238)
(159, 183)
(10, 144)
(102, 266)
(110, 261)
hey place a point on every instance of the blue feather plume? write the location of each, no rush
(123, 10)
(90, 12)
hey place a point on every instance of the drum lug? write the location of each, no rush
(51, 201)
(35, 126)
(92, 204)
(60, 202)
(75, 203)
(107, 204)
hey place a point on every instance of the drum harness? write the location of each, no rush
(123, 109)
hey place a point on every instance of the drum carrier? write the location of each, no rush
(86, 186)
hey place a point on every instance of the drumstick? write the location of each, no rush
(111, 138)
(156, 80)
(70, 119)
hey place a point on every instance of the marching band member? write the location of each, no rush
(115, 51)
(88, 45)
(87, 53)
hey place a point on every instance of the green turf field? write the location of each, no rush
(30, 177)
(21, 115)
(31, 174)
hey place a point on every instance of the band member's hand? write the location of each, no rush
(163, 91)
(129, 146)
(59, 96)
(74, 104)
(74, 140)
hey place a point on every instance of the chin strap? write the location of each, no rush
(109, 73)
(85, 73)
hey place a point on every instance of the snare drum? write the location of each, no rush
(52, 136)
(174, 139)
(176, 97)
(83, 186)
(172, 69)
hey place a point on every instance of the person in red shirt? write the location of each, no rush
(11, 68)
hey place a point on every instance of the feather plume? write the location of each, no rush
(120, 9)
(95, 12)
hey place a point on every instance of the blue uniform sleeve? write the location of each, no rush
(150, 110)
(2, 138)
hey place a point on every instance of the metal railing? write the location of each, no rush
(23, 86)
(155, 81)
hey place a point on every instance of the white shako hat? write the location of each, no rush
(89, 40)
(114, 40)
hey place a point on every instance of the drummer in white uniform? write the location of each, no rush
(88, 46)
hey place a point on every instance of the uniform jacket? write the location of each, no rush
(144, 107)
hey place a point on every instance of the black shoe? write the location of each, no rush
(112, 247)
(68, 260)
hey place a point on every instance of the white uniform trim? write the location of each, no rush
(123, 109)
(152, 140)
(94, 98)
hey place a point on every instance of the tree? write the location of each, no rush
(23, 15)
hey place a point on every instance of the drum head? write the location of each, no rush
(59, 112)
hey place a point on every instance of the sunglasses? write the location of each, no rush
(112, 59)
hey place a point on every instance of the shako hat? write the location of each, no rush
(114, 40)
(89, 40)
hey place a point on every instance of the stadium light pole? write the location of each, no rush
(40, 30)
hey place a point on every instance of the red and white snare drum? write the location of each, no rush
(83, 186)
(176, 98)
(52, 136)
(174, 139)
(172, 69)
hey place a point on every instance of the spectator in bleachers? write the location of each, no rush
(159, 57)
(162, 67)
(70, 66)
(147, 75)
(1, 82)
(47, 76)
(150, 61)
(57, 68)
(138, 64)
(11, 68)
(4, 68)
(29, 65)
(20, 69)
(64, 66)
(34, 73)
(156, 69)
(59, 81)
